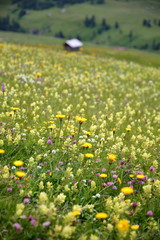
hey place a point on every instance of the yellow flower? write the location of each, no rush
(60, 116)
(88, 134)
(89, 155)
(76, 213)
(103, 175)
(140, 176)
(51, 126)
(80, 119)
(39, 74)
(119, 180)
(87, 145)
(123, 225)
(134, 227)
(128, 129)
(131, 175)
(111, 157)
(127, 190)
(18, 163)
(20, 174)
(2, 151)
(14, 108)
(101, 215)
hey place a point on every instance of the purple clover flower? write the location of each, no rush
(149, 213)
(18, 227)
(46, 224)
(26, 200)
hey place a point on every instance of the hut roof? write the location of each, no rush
(74, 43)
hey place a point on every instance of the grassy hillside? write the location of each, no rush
(79, 147)
(129, 15)
(130, 55)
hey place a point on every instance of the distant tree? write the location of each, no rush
(144, 22)
(116, 25)
(93, 21)
(90, 22)
(155, 21)
(22, 13)
(149, 23)
(60, 34)
(79, 37)
(86, 21)
(104, 24)
(100, 1)
(130, 35)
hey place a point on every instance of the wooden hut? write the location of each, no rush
(73, 44)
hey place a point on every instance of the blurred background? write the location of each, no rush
(118, 23)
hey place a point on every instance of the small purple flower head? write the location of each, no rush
(103, 170)
(18, 227)
(152, 168)
(149, 213)
(60, 163)
(114, 188)
(57, 169)
(33, 222)
(49, 142)
(104, 184)
(114, 176)
(98, 160)
(26, 200)
(3, 87)
(75, 141)
(134, 204)
(110, 183)
(48, 171)
(89, 180)
(9, 189)
(46, 224)
(131, 212)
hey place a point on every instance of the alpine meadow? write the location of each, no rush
(79, 148)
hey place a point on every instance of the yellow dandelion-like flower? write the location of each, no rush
(15, 108)
(88, 134)
(87, 145)
(20, 174)
(119, 180)
(128, 129)
(39, 74)
(51, 126)
(127, 190)
(18, 163)
(135, 227)
(114, 130)
(103, 175)
(76, 213)
(81, 120)
(89, 155)
(131, 175)
(111, 157)
(101, 215)
(123, 225)
(2, 151)
(60, 116)
(140, 176)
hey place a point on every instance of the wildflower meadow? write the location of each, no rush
(79, 146)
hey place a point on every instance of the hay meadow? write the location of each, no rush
(79, 146)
